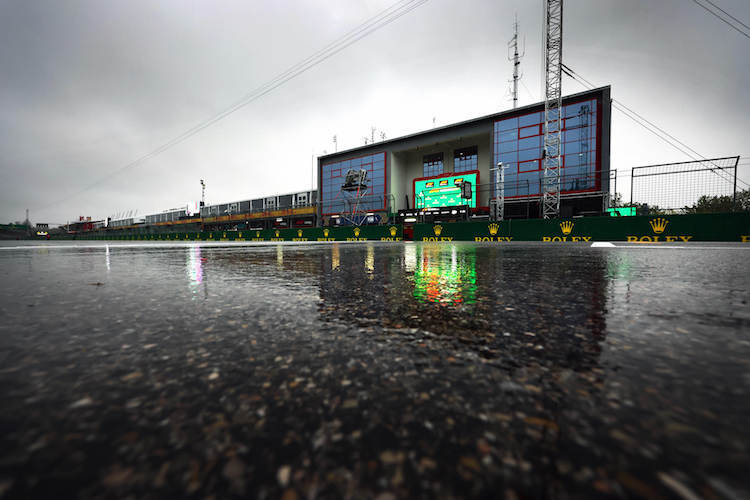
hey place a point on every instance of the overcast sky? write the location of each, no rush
(88, 86)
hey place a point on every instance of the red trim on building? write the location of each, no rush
(598, 152)
(322, 201)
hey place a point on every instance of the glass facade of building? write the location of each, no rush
(335, 201)
(465, 159)
(519, 144)
(166, 216)
(432, 165)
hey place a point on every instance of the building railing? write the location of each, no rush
(354, 205)
(251, 211)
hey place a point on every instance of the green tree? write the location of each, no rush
(640, 208)
(721, 203)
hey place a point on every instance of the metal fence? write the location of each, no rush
(676, 187)
(571, 186)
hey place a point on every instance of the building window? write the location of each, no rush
(465, 159)
(433, 164)
(332, 198)
(519, 145)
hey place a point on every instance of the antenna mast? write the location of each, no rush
(203, 193)
(552, 108)
(516, 61)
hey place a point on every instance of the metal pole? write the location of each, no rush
(516, 62)
(501, 197)
(734, 188)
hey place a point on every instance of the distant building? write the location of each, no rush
(84, 224)
(425, 169)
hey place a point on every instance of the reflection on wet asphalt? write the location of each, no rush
(338, 370)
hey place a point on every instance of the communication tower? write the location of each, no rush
(552, 108)
(516, 58)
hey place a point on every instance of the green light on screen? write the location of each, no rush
(444, 191)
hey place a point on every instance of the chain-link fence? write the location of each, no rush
(679, 187)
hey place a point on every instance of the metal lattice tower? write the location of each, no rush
(552, 109)
(354, 192)
(497, 205)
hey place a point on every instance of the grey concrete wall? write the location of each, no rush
(407, 164)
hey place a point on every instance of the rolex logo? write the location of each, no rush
(240, 235)
(493, 228)
(257, 234)
(437, 229)
(566, 227)
(658, 225)
(356, 232)
(393, 230)
(276, 233)
(325, 232)
(299, 233)
(224, 235)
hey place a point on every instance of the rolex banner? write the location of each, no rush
(641, 229)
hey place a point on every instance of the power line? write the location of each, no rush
(660, 133)
(382, 19)
(651, 127)
(722, 19)
(728, 14)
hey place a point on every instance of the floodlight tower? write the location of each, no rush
(552, 108)
(203, 193)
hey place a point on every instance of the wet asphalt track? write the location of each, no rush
(374, 370)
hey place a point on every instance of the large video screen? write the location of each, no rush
(444, 191)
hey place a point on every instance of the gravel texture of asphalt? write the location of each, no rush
(374, 370)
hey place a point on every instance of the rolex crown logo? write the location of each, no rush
(325, 233)
(658, 225)
(240, 235)
(224, 235)
(566, 227)
(437, 229)
(276, 233)
(494, 227)
(299, 233)
(356, 232)
(257, 234)
(393, 230)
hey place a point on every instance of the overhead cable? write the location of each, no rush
(650, 126)
(719, 17)
(373, 24)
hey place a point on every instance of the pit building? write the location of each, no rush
(424, 169)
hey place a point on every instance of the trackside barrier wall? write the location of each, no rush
(643, 229)
(659, 228)
(391, 232)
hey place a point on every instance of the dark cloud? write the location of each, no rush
(88, 86)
